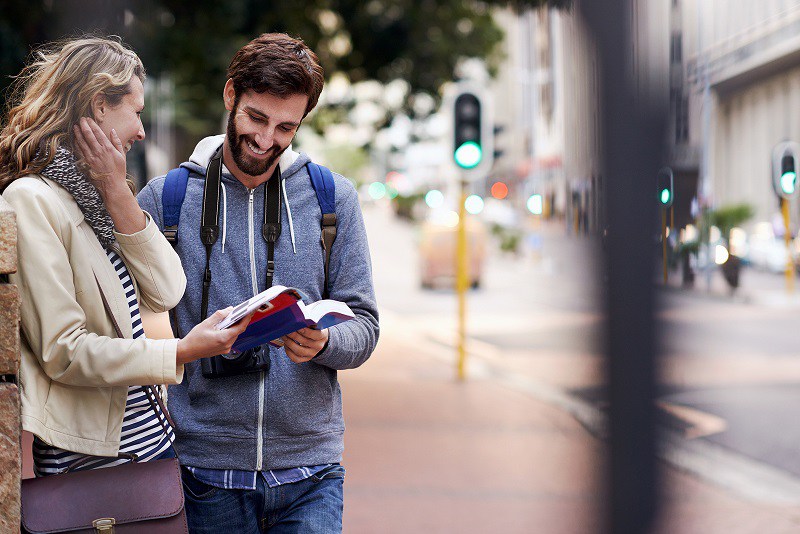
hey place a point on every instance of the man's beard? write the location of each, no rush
(247, 163)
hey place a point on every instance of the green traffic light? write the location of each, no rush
(468, 155)
(787, 182)
(665, 195)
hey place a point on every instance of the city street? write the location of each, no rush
(521, 441)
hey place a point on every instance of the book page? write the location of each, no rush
(250, 305)
(326, 313)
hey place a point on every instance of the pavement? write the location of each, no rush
(514, 449)
(428, 453)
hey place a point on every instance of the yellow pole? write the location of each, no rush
(461, 283)
(788, 239)
(664, 240)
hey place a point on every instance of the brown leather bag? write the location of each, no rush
(134, 497)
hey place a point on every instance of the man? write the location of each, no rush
(261, 450)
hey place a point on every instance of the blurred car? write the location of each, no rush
(437, 252)
(765, 250)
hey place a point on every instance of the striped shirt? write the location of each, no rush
(142, 432)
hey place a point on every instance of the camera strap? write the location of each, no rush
(209, 229)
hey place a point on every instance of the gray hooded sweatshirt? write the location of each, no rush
(290, 416)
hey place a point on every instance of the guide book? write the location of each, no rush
(280, 310)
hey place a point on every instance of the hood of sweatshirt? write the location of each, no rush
(289, 163)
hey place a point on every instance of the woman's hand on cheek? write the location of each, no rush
(105, 157)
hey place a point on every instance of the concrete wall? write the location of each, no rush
(743, 80)
(10, 425)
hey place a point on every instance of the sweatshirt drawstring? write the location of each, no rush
(224, 216)
(289, 214)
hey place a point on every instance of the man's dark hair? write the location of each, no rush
(279, 65)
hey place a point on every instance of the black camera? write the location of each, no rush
(250, 361)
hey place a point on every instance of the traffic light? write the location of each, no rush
(498, 153)
(664, 187)
(468, 127)
(788, 175)
(784, 169)
(535, 204)
(472, 131)
(499, 190)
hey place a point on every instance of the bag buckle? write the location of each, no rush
(104, 525)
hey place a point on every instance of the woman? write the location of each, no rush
(88, 257)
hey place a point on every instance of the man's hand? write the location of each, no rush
(303, 345)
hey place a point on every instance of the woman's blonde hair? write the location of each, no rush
(53, 92)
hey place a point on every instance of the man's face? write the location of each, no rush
(261, 127)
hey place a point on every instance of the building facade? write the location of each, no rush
(737, 98)
(546, 98)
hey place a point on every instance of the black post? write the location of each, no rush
(631, 137)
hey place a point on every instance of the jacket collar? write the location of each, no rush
(107, 278)
(70, 206)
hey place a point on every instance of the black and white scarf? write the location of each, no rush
(64, 171)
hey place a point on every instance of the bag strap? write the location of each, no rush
(325, 188)
(163, 417)
(172, 200)
(151, 393)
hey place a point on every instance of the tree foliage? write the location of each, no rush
(419, 41)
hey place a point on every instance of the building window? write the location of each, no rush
(680, 109)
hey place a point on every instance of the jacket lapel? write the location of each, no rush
(107, 280)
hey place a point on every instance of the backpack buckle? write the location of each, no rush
(171, 233)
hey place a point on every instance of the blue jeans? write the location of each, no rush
(310, 506)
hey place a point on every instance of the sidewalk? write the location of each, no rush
(756, 287)
(425, 453)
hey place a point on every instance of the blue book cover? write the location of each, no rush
(279, 311)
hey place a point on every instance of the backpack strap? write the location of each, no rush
(172, 200)
(324, 187)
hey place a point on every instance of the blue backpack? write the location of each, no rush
(321, 180)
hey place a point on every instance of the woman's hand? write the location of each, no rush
(205, 340)
(106, 158)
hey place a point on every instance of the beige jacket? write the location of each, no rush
(75, 370)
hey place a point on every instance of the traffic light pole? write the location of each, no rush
(461, 282)
(664, 241)
(788, 239)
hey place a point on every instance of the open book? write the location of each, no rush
(280, 310)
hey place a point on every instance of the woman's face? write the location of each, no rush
(125, 117)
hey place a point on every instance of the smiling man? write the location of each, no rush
(260, 435)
